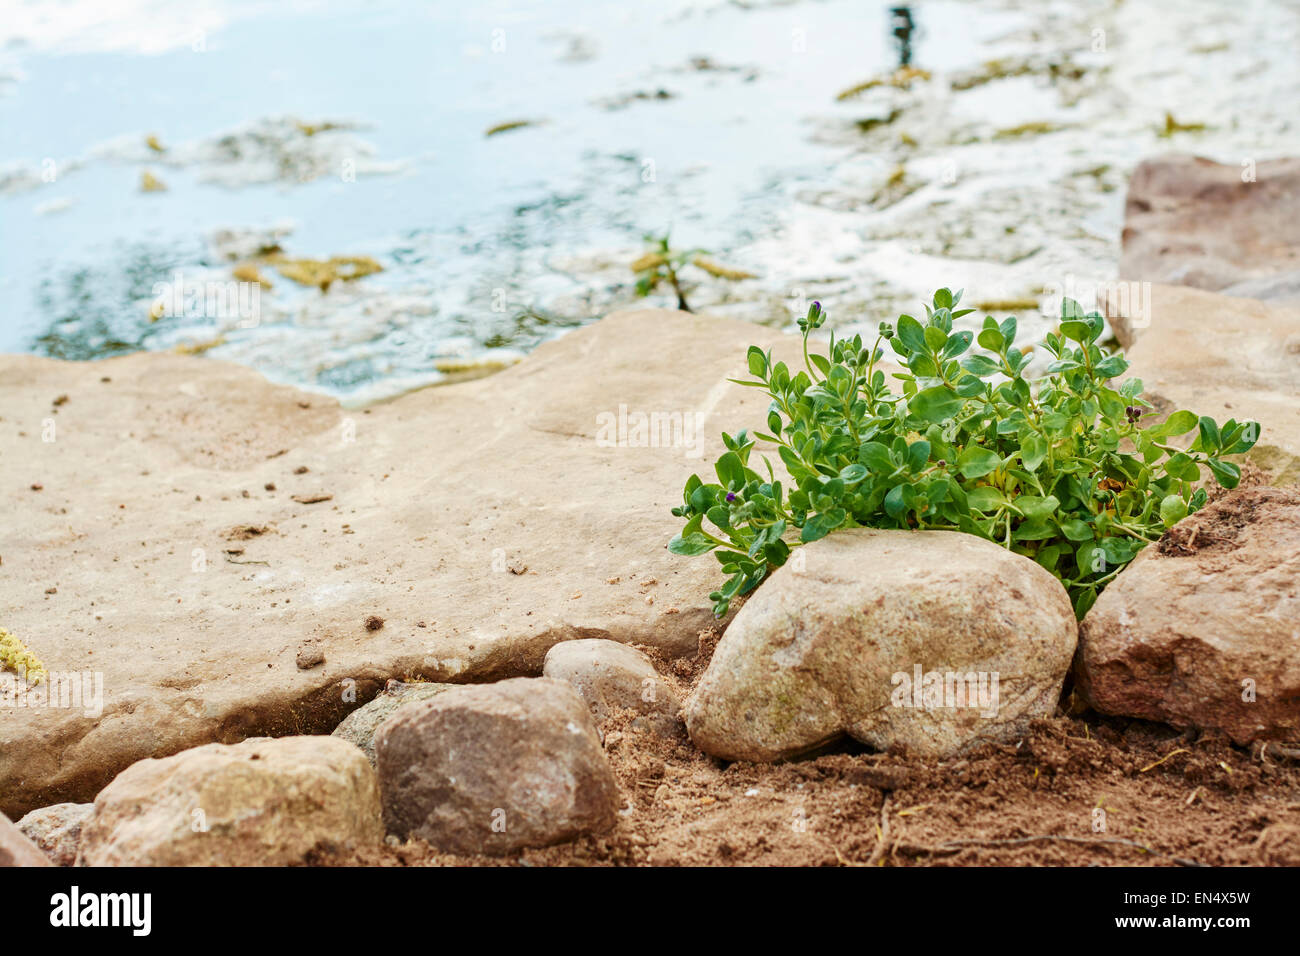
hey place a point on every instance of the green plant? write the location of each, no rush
(663, 264)
(1058, 468)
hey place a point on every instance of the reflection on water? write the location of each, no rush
(355, 129)
(901, 26)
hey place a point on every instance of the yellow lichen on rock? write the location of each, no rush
(15, 656)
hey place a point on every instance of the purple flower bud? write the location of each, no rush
(731, 496)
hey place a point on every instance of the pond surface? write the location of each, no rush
(359, 129)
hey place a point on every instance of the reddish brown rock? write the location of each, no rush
(57, 830)
(492, 768)
(16, 849)
(1203, 628)
(1191, 221)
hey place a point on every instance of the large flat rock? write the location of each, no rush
(1214, 226)
(482, 522)
(1227, 358)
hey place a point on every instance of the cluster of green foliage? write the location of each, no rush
(662, 265)
(1057, 468)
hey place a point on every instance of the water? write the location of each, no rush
(717, 121)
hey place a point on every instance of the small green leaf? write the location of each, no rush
(984, 498)
(911, 333)
(1131, 388)
(1179, 423)
(1209, 434)
(935, 338)
(1075, 529)
(820, 525)
(1008, 329)
(918, 453)
(1173, 509)
(980, 365)
(957, 344)
(1075, 330)
(1032, 452)
(935, 404)
(899, 500)
(1225, 472)
(976, 462)
(730, 470)
(1182, 467)
(690, 545)
(852, 474)
(1070, 309)
(1111, 367)
(876, 457)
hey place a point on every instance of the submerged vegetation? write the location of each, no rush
(1059, 469)
(323, 273)
(900, 79)
(1172, 126)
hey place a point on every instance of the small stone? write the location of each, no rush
(374, 622)
(262, 802)
(359, 726)
(56, 830)
(492, 768)
(309, 656)
(611, 676)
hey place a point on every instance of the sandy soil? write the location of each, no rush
(1164, 798)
